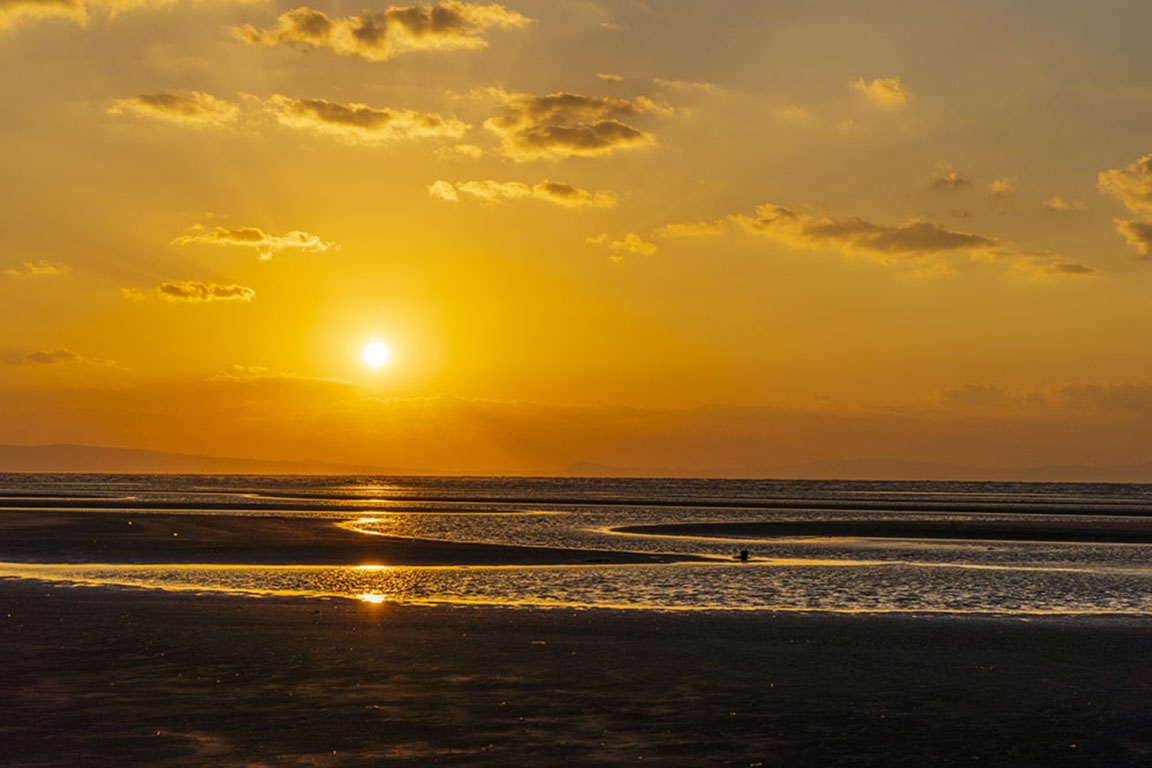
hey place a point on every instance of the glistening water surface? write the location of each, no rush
(811, 573)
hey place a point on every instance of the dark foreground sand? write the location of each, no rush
(96, 677)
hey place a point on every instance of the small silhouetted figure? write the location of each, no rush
(743, 555)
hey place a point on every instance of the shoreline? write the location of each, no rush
(147, 538)
(1070, 531)
(1079, 618)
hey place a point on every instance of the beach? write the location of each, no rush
(104, 677)
(196, 621)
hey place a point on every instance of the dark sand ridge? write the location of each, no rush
(1100, 531)
(144, 678)
(110, 537)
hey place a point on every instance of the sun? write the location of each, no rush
(376, 354)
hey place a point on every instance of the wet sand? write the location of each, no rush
(113, 537)
(1112, 531)
(96, 677)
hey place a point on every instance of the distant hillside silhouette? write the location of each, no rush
(90, 458)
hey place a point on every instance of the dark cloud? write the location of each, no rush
(569, 124)
(380, 36)
(913, 242)
(195, 291)
(62, 356)
(914, 238)
(1138, 233)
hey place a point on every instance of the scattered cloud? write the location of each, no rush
(856, 236)
(913, 242)
(447, 26)
(38, 268)
(459, 152)
(62, 356)
(885, 92)
(361, 124)
(631, 243)
(683, 85)
(266, 245)
(133, 294)
(562, 124)
(1138, 233)
(946, 178)
(697, 229)
(1001, 187)
(795, 114)
(1060, 205)
(16, 12)
(259, 373)
(443, 190)
(557, 192)
(196, 291)
(610, 78)
(1131, 186)
(191, 108)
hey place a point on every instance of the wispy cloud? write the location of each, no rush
(62, 356)
(191, 108)
(196, 292)
(16, 12)
(265, 244)
(569, 124)
(1060, 205)
(556, 192)
(683, 85)
(361, 124)
(631, 243)
(1002, 187)
(38, 268)
(457, 152)
(886, 92)
(448, 26)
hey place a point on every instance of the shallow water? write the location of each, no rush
(811, 574)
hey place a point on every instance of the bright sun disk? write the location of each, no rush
(376, 354)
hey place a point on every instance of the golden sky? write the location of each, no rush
(710, 238)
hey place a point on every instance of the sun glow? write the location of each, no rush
(376, 354)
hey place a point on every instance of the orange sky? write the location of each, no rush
(701, 238)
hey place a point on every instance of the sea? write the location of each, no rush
(869, 571)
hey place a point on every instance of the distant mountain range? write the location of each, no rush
(91, 458)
